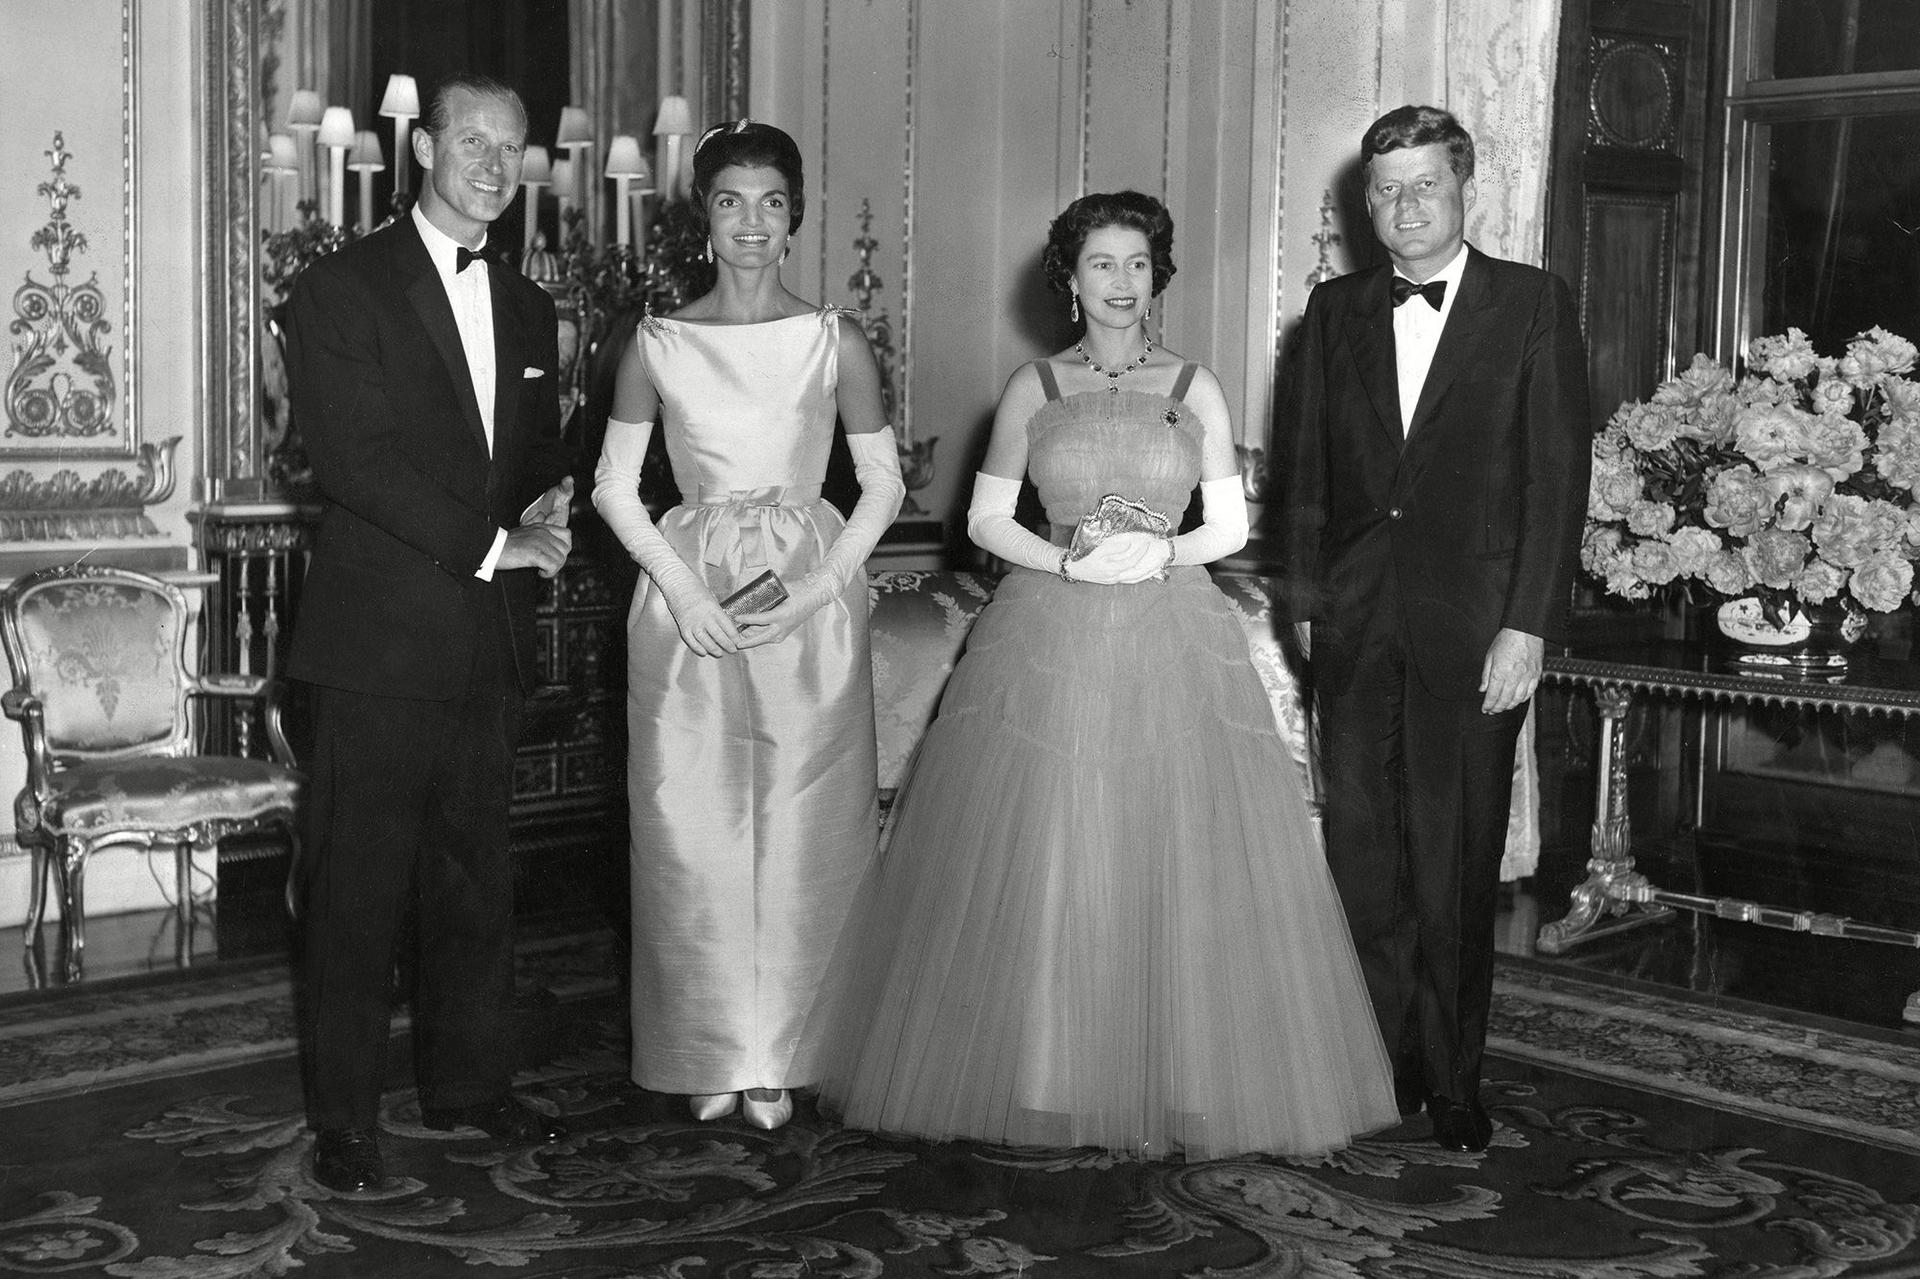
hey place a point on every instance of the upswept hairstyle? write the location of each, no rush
(1412, 126)
(750, 144)
(1069, 232)
(485, 86)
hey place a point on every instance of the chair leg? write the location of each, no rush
(37, 872)
(183, 854)
(183, 883)
(73, 899)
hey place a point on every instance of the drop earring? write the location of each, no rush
(1076, 308)
(1147, 316)
(707, 252)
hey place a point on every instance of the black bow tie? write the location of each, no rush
(1434, 291)
(462, 256)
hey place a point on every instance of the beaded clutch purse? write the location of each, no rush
(1115, 514)
(762, 593)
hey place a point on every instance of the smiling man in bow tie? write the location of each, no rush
(425, 381)
(1434, 435)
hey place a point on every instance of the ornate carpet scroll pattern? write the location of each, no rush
(1866, 1088)
(207, 1174)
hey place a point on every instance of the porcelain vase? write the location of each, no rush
(1808, 639)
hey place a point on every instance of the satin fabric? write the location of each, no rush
(1103, 916)
(751, 778)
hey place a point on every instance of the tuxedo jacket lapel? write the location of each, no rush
(510, 350)
(429, 301)
(1370, 338)
(1466, 329)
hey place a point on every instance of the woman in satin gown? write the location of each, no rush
(751, 774)
(1103, 917)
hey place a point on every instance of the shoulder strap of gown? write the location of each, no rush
(1185, 380)
(1047, 384)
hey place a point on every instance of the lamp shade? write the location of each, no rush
(336, 127)
(366, 156)
(402, 97)
(304, 109)
(675, 117)
(562, 178)
(624, 159)
(282, 156)
(536, 167)
(574, 130)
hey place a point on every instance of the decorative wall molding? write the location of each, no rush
(62, 387)
(63, 507)
(233, 463)
(1633, 95)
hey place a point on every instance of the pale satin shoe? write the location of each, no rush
(707, 1106)
(769, 1113)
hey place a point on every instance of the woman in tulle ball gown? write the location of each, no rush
(1103, 917)
(751, 773)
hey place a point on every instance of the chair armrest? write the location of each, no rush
(258, 688)
(19, 704)
(228, 685)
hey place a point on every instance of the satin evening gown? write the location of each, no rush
(1103, 916)
(751, 778)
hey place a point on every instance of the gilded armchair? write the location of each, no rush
(101, 690)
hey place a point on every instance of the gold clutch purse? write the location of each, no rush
(1115, 514)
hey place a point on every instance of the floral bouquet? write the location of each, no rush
(1793, 484)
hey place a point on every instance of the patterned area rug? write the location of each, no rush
(159, 1135)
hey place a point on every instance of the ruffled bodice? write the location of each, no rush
(1142, 446)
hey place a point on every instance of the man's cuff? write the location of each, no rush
(485, 571)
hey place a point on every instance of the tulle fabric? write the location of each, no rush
(1102, 916)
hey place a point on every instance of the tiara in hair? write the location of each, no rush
(730, 126)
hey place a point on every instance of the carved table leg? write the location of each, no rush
(1611, 880)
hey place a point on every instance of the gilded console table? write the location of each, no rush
(1614, 895)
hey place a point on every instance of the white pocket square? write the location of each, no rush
(530, 371)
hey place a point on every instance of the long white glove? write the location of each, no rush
(1125, 557)
(991, 525)
(704, 625)
(876, 465)
(1223, 523)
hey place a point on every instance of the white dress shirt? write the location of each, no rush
(471, 293)
(1416, 333)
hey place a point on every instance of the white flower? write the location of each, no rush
(1882, 581)
(1783, 358)
(1874, 355)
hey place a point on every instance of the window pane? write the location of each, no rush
(1841, 37)
(1842, 227)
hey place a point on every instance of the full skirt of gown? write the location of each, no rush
(1103, 916)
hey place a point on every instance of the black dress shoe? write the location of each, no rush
(347, 1160)
(1459, 1125)
(1410, 1094)
(506, 1119)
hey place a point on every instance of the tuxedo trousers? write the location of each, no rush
(1417, 793)
(407, 809)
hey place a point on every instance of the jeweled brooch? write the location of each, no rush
(1172, 417)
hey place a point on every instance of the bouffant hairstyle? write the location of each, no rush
(752, 145)
(1069, 232)
(436, 119)
(1418, 127)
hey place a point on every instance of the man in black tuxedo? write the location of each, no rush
(1435, 437)
(424, 378)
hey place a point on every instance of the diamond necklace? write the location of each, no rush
(1113, 375)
